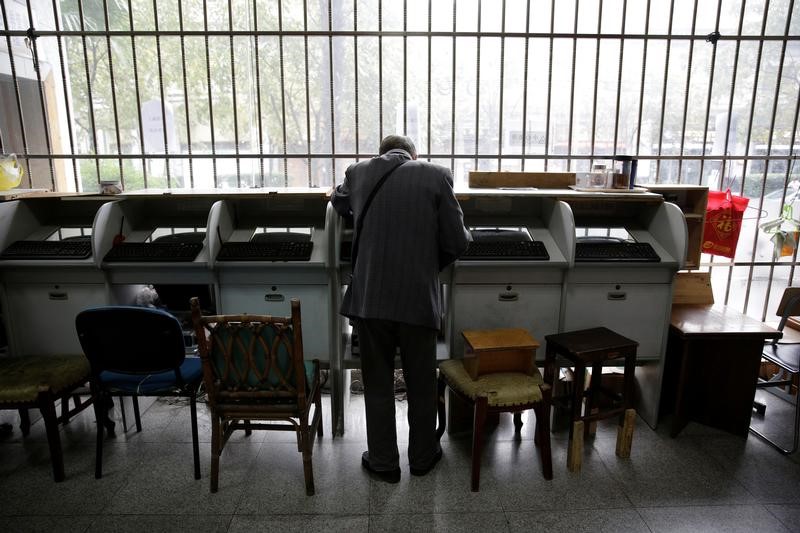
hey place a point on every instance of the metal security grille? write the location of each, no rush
(283, 93)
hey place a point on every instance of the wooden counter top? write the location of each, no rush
(718, 319)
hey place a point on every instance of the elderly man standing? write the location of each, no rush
(408, 227)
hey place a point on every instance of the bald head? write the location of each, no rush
(393, 142)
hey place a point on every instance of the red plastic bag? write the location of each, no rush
(723, 223)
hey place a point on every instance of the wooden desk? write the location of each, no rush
(720, 353)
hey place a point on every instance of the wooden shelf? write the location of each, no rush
(692, 200)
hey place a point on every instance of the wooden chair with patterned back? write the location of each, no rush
(256, 378)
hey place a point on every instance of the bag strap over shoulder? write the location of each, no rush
(360, 222)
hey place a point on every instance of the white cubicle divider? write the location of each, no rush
(42, 295)
(144, 217)
(342, 239)
(498, 292)
(262, 286)
(633, 299)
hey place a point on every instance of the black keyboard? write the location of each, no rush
(166, 252)
(524, 250)
(266, 251)
(615, 251)
(72, 249)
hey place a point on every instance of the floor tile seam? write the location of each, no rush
(506, 519)
(305, 514)
(643, 519)
(610, 471)
(570, 509)
(795, 501)
(619, 477)
(154, 514)
(321, 513)
(573, 507)
(604, 507)
(382, 515)
(432, 512)
(783, 504)
(250, 467)
(695, 505)
(136, 465)
(778, 518)
(52, 515)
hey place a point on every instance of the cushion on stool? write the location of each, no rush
(500, 389)
(23, 378)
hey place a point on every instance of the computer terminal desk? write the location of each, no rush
(55, 276)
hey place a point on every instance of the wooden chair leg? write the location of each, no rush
(24, 422)
(308, 470)
(195, 444)
(542, 438)
(318, 410)
(481, 406)
(121, 400)
(136, 415)
(65, 410)
(64, 418)
(625, 434)
(592, 397)
(48, 409)
(575, 450)
(216, 424)
(299, 434)
(577, 396)
(441, 412)
(103, 401)
(101, 415)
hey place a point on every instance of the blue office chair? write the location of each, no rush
(786, 357)
(136, 351)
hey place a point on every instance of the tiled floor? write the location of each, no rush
(704, 480)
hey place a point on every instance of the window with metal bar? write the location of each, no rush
(284, 93)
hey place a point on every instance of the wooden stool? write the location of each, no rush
(591, 348)
(498, 375)
(38, 381)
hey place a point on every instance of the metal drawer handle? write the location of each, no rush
(274, 297)
(58, 296)
(508, 296)
(617, 295)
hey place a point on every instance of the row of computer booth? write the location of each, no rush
(545, 260)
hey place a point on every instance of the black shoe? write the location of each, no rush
(389, 476)
(422, 471)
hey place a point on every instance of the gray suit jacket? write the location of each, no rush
(413, 229)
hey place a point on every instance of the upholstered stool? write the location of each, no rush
(498, 392)
(592, 348)
(37, 381)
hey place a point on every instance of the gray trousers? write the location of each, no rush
(378, 340)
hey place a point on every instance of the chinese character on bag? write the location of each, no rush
(723, 223)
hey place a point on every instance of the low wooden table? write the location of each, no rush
(593, 348)
(719, 356)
